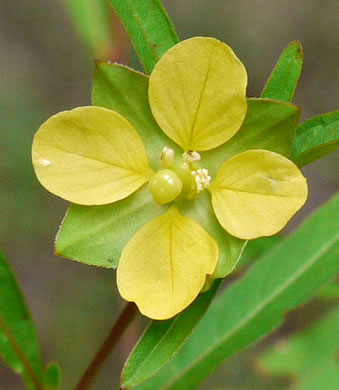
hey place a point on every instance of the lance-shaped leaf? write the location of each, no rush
(92, 22)
(18, 342)
(148, 27)
(162, 339)
(315, 138)
(287, 276)
(283, 81)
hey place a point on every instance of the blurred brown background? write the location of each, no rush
(46, 68)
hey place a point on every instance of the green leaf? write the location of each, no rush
(52, 376)
(92, 22)
(149, 28)
(18, 342)
(306, 353)
(256, 304)
(315, 138)
(162, 339)
(283, 81)
(96, 235)
(268, 125)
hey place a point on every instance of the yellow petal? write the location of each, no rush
(164, 266)
(197, 93)
(256, 193)
(90, 156)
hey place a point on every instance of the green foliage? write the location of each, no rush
(52, 376)
(269, 125)
(18, 342)
(255, 305)
(92, 21)
(111, 225)
(315, 138)
(283, 81)
(149, 28)
(310, 357)
(230, 247)
(162, 339)
(125, 91)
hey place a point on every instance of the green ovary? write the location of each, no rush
(165, 186)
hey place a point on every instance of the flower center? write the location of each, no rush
(179, 179)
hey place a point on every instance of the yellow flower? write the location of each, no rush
(93, 156)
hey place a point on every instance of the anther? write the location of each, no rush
(201, 178)
(167, 157)
(191, 156)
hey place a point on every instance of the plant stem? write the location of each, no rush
(124, 320)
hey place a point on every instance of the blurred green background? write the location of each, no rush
(47, 67)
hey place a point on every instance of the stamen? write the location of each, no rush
(191, 156)
(167, 157)
(201, 178)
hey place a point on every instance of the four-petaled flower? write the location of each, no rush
(94, 156)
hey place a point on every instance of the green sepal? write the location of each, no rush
(18, 341)
(269, 125)
(149, 28)
(125, 91)
(284, 78)
(230, 248)
(96, 235)
(315, 138)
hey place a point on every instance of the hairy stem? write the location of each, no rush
(124, 320)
